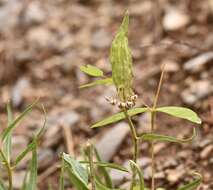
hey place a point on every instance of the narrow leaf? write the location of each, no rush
(137, 187)
(192, 185)
(33, 171)
(78, 174)
(119, 116)
(7, 142)
(181, 112)
(134, 167)
(61, 182)
(2, 186)
(17, 120)
(103, 170)
(100, 186)
(106, 81)
(92, 71)
(157, 137)
(25, 181)
(107, 165)
(32, 145)
(28, 149)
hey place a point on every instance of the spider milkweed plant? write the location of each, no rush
(92, 173)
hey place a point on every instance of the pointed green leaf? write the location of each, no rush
(136, 168)
(7, 141)
(106, 81)
(26, 179)
(157, 137)
(137, 187)
(78, 174)
(92, 71)
(181, 112)
(61, 182)
(192, 185)
(107, 165)
(31, 185)
(2, 186)
(28, 149)
(103, 170)
(17, 120)
(119, 116)
(35, 141)
(100, 186)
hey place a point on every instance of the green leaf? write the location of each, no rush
(78, 174)
(17, 120)
(119, 116)
(61, 182)
(137, 187)
(107, 165)
(106, 81)
(121, 61)
(29, 148)
(7, 141)
(181, 112)
(192, 185)
(103, 170)
(136, 168)
(25, 181)
(92, 71)
(100, 186)
(35, 141)
(2, 186)
(157, 137)
(31, 185)
(160, 188)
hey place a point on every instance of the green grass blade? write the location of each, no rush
(92, 70)
(50, 186)
(181, 112)
(77, 173)
(134, 166)
(2, 186)
(119, 116)
(25, 181)
(28, 149)
(33, 171)
(7, 142)
(61, 182)
(17, 120)
(103, 170)
(192, 185)
(107, 165)
(157, 137)
(32, 145)
(100, 186)
(106, 81)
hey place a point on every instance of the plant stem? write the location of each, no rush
(135, 144)
(152, 151)
(91, 165)
(153, 125)
(9, 170)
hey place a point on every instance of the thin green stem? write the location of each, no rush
(159, 87)
(9, 170)
(135, 144)
(152, 151)
(153, 125)
(91, 165)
